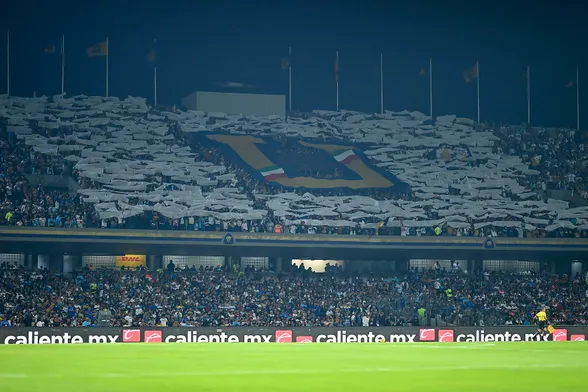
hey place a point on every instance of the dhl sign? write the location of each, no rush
(131, 261)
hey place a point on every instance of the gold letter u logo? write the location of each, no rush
(246, 148)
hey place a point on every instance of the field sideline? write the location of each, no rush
(505, 366)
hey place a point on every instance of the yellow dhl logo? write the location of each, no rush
(131, 258)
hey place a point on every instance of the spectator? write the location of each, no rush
(215, 298)
(540, 159)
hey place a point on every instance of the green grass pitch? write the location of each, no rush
(476, 367)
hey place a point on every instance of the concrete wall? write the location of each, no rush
(261, 105)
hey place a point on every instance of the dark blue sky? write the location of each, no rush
(203, 42)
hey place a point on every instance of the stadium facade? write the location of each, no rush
(64, 250)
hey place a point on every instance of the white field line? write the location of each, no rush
(482, 346)
(398, 369)
(494, 347)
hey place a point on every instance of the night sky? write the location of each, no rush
(200, 43)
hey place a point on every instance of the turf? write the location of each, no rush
(518, 366)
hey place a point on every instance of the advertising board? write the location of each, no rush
(131, 261)
(284, 335)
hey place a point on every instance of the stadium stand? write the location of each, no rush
(208, 297)
(559, 155)
(320, 172)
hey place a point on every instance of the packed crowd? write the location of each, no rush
(22, 204)
(252, 186)
(234, 298)
(557, 154)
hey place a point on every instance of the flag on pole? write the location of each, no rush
(575, 83)
(63, 64)
(524, 76)
(431, 88)
(375, 68)
(51, 49)
(98, 50)
(8, 63)
(105, 48)
(471, 74)
(152, 54)
(285, 63)
(337, 67)
(577, 98)
(528, 80)
(337, 76)
(381, 83)
(152, 58)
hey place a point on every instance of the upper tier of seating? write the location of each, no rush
(326, 172)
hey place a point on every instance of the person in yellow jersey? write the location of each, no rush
(541, 318)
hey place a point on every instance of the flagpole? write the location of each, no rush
(290, 79)
(107, 54)
(382, 83)
(577, 98)
(478, 87)
(431, 87)
(8, 63)
(155, 85)
(337, 76)
(62, 65)
(155, 73)
(528, 94)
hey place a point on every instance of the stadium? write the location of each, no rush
(162, 234)
(233, 243)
